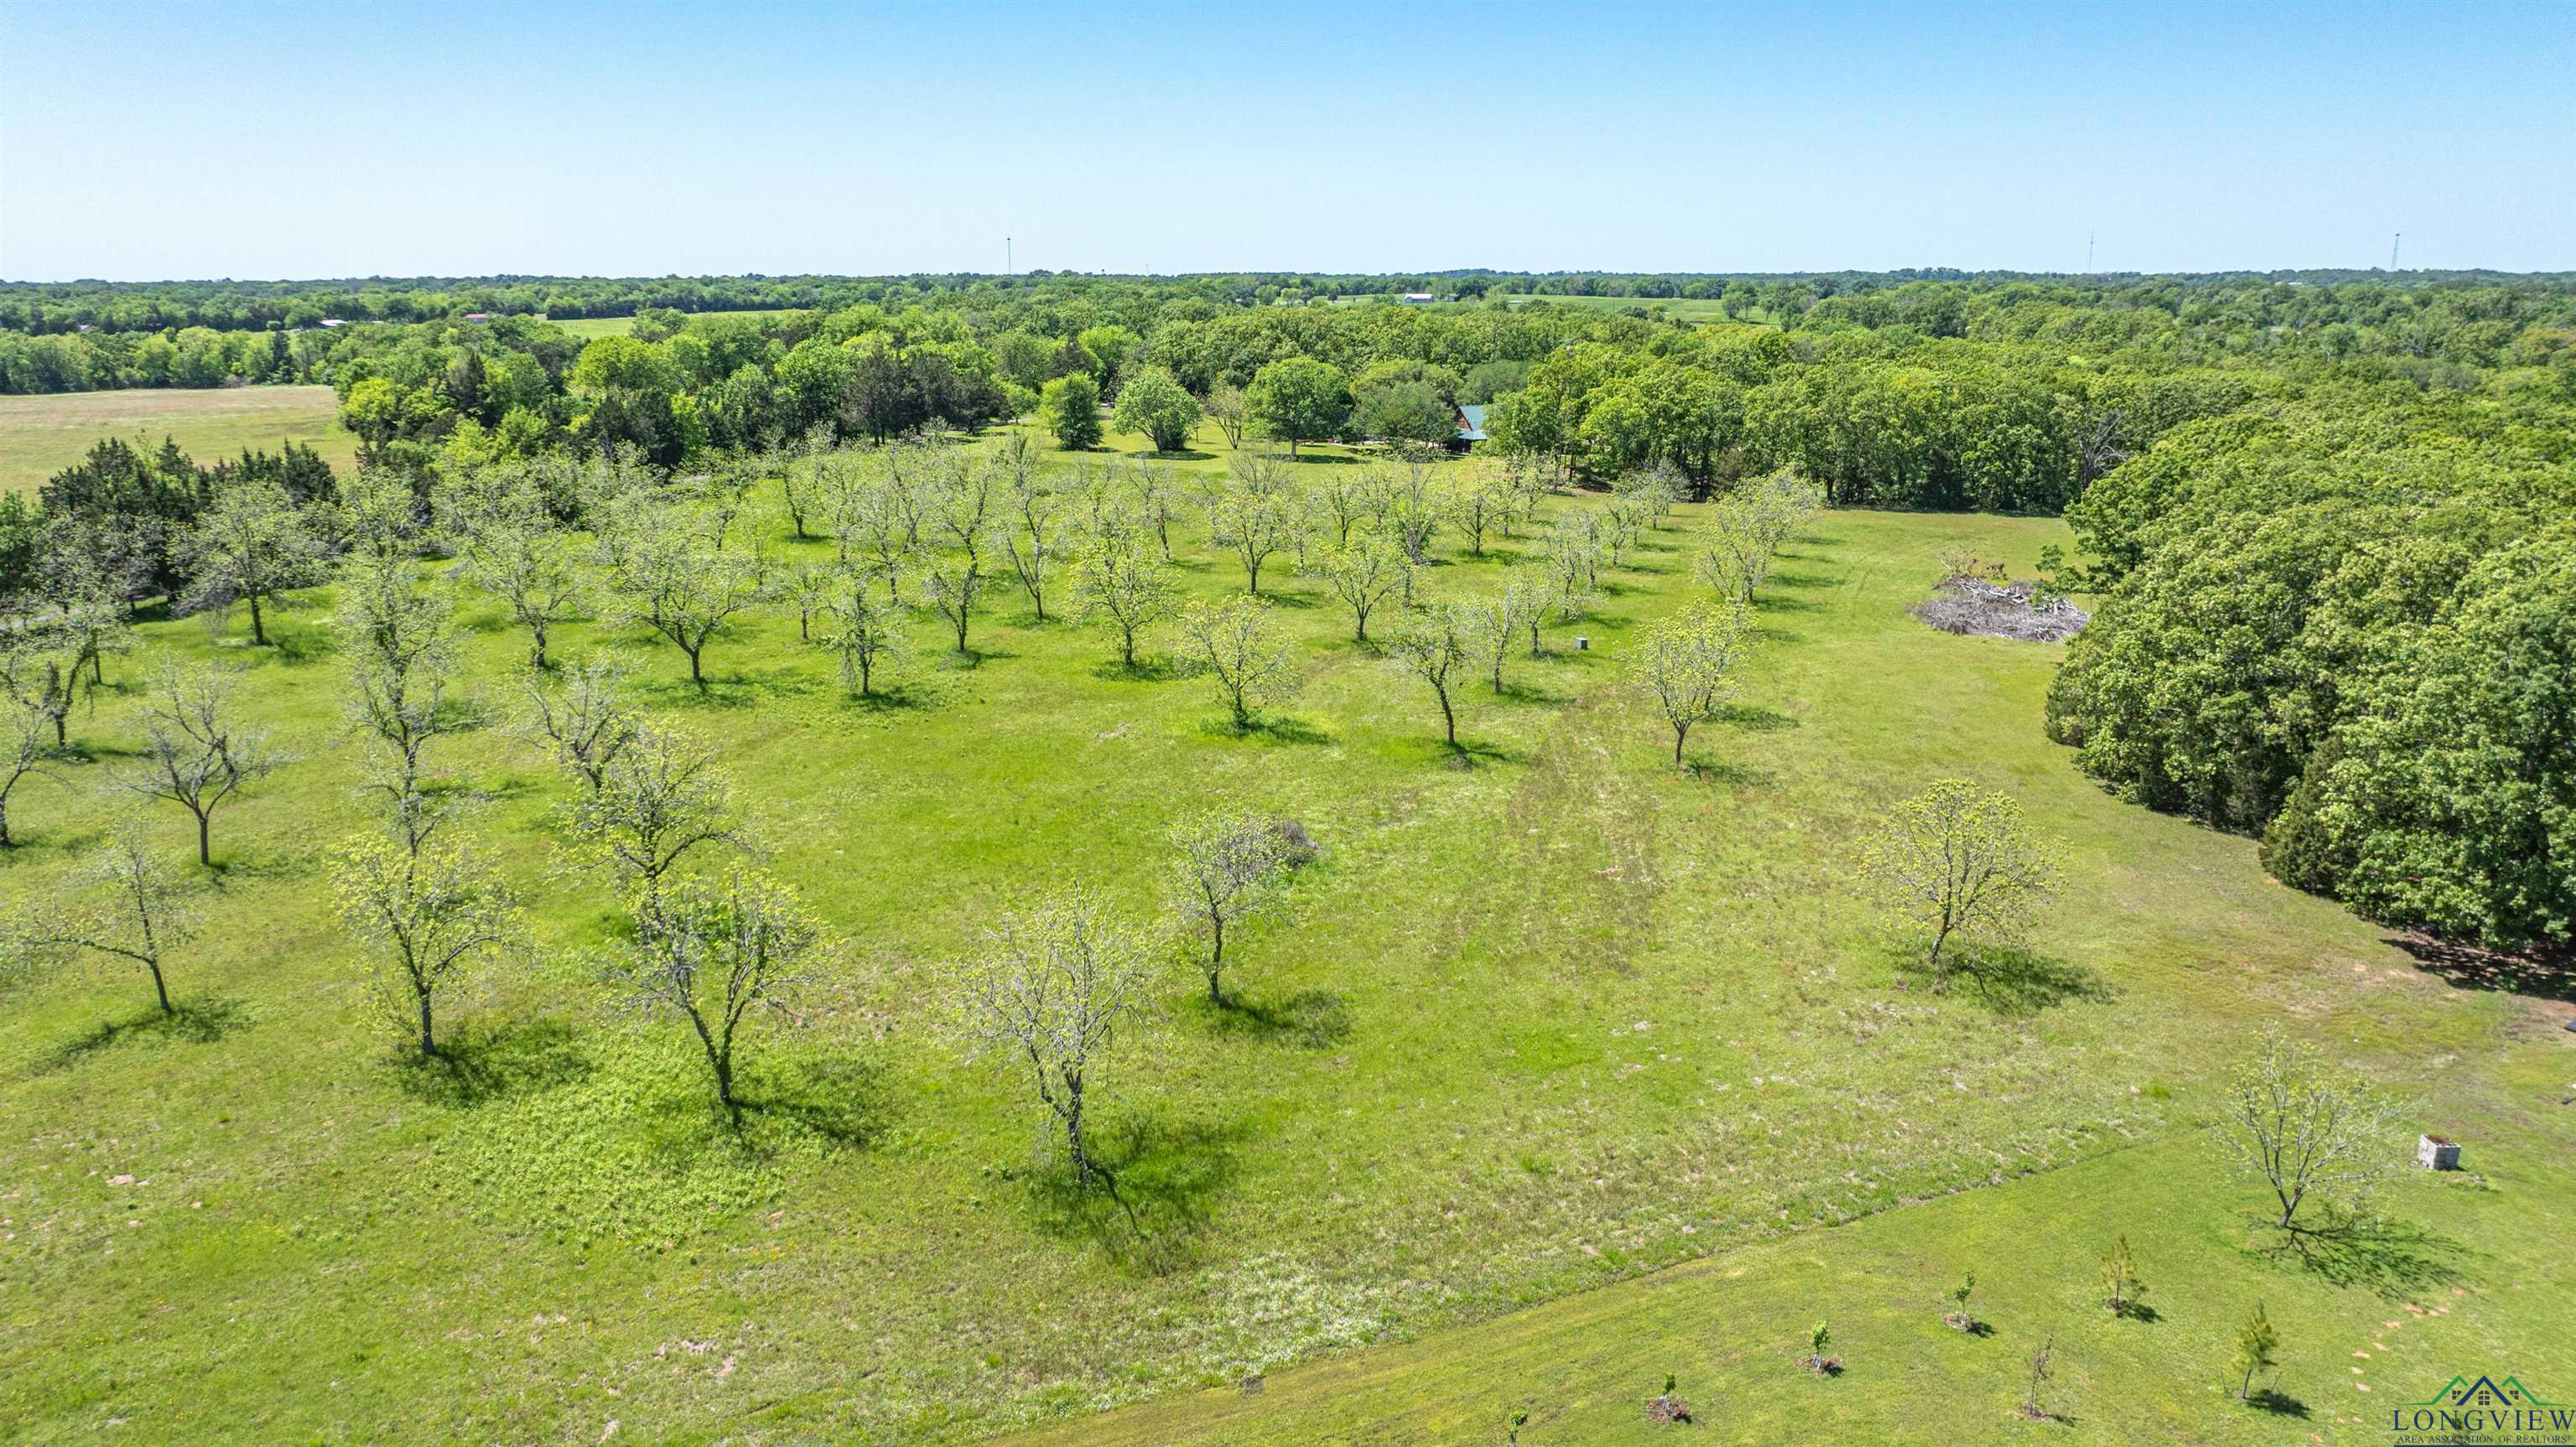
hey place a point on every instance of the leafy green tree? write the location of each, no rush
(1159, 407)
(1069, 408)
(1688, 664)
(1299, 400)
(1958, 862)
(251, 543)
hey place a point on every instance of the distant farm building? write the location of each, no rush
(1471, 428)
(1418, 298)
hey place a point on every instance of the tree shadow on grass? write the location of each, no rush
(1281, 599)
(1310, 1019)
(2466, 967)
(841, 1100)
(1514, 691)
(1787, 603)
(1753, 718)
(1734, 774)
(482, 1063)
(2388, 1258)
(199, 1022)
(1278, 730)
(1143, 670)
(1798, 580)
(2018, 982)
(1156, 1183)
(2279, 1403)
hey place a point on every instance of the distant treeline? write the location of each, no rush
(40, 308)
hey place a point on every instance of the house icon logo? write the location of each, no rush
(2484, 1409)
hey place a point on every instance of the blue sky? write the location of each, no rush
(284, 139)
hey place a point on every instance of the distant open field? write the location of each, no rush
(620, 326)
(39, 436)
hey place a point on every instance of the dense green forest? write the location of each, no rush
(2326, 521)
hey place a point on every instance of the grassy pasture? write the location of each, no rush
(1550, 1020)
(40, 436)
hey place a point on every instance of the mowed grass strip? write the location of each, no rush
(1532, 1026)
(40, 436)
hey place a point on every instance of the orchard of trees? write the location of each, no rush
(2323, 513)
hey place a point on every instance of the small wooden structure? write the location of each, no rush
(2437, 1153)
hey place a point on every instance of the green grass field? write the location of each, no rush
(40, 436)
(1561, 1069)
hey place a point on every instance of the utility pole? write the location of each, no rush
(2088, 251)
(1006, 256)
(2392, 249)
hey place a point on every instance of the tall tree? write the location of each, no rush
(1299, 400)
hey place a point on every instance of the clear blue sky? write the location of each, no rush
(291, 140)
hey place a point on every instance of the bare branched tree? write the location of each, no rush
(585, 719)
(140, 911)
(1433, 646)
(200, 755)
(1238, 643)
(25, 753)
(713, 950)
(1121, 584)
(861, 629)
(2305, 1129)
(1049, 995)
(511, 548)
(1495, 622)
(662, 796)
(959, 511)
(400, 643)
(1032, 534)
(687, 584)
(1364, 572)
(1226, 864)
(428, 915)
(1254, 516)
